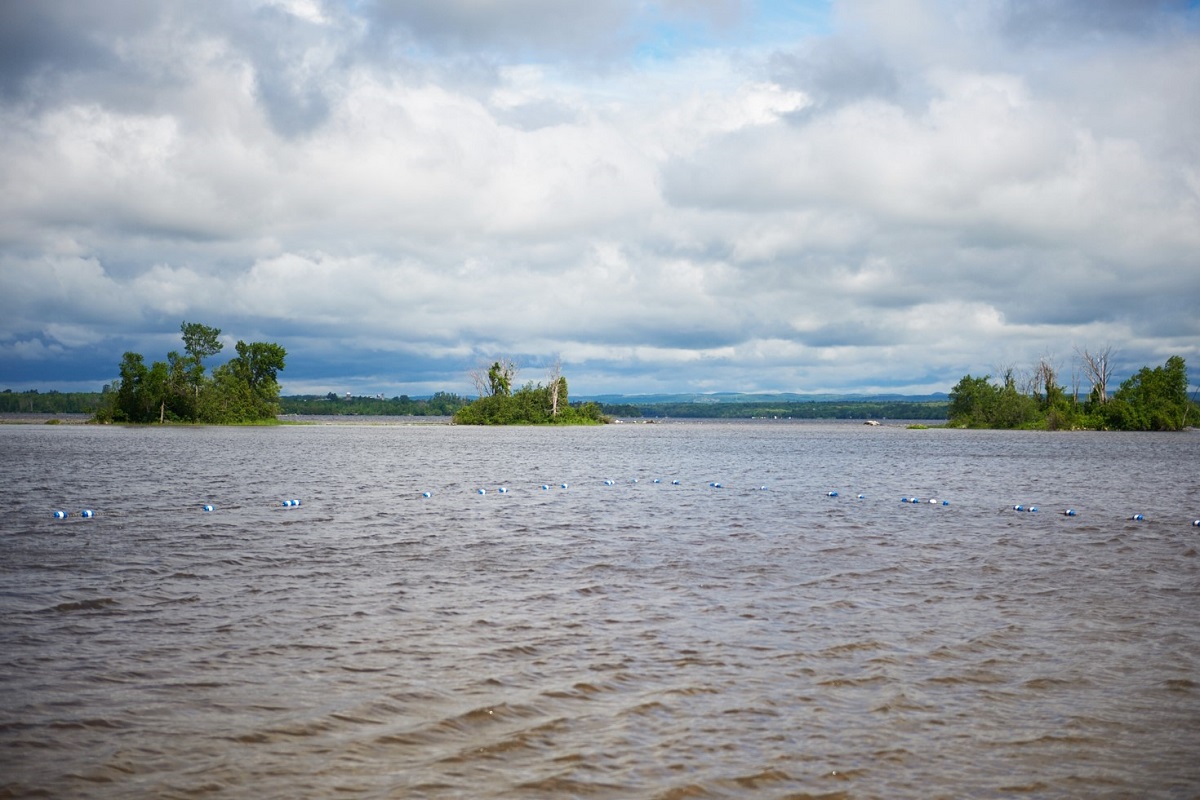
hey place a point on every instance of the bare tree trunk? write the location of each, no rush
(1099, 368)
(552, 378)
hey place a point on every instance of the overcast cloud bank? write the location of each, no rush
(688, 195)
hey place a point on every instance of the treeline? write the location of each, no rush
(244, 389)
(897, 409)
(499, 404)
(1150, 400)
(442, 404)
(34, 402)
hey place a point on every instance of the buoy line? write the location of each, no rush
(1021, 508)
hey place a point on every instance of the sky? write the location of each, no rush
(870, 196)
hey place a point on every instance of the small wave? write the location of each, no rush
(94, 604)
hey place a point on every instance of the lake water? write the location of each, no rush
(627, 640)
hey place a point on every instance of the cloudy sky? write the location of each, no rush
(665, 195)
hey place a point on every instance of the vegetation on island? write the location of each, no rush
(244, 389)
(500, 404)
(1150, 400)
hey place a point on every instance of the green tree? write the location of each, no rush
(1152, 400)
(973, 402)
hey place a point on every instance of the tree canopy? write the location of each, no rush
(1151, 400)
(531, 404)
(244, 389)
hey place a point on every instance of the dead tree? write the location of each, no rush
(1098, 367)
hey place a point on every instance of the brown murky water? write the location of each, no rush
(606, 640)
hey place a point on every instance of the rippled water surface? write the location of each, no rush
(627, 640)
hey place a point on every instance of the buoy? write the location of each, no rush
(762, 488)
(634, 480)
(426, 494)
(208, 507)
(933, 501)
(1032, 509)
(1070, 512)
(1196, 524)
(482, 491)
(675, 482)
(60, 515)
(564, 486)
(87, 513)
(658, 480)
(609, 482)
(546, 486)
(831, 494)
(945, 502)
(862, 497)
(290, 503)
(503, 490)
(1137, 517)
(715, 485)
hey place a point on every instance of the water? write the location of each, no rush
(638, 640)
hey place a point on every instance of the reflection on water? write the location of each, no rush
(638, 639)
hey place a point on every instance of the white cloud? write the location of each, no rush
(924, 190)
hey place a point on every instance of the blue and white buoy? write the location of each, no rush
(675, 482)
(208, 507)
(831, 494)
(1137, 518)
(503, 490)
(1070, 512)
(87, 513)
(481, 491)
(60, 515)
(609, 482)
(427, 494)
(291, 503)
(1196, 523)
